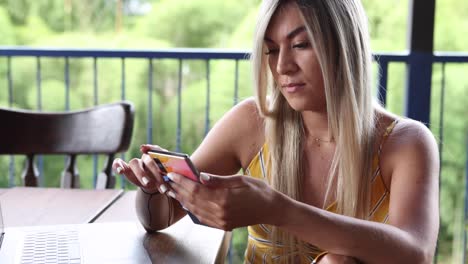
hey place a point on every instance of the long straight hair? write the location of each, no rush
(339, 35)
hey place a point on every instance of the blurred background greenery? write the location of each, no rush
(156, 24)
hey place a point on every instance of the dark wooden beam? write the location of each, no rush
(419, 70)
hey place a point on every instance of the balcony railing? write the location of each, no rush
(207, 56)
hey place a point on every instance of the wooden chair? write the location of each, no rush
(104, 129)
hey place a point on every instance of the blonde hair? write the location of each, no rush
(339, 35)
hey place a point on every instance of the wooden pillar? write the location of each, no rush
(419, 70)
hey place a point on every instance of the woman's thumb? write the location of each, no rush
(205, 178)
(220, 181)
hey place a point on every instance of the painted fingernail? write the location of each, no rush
(171, 194)
(170, 175)
(204, 176)
(145, 180)
(163, 188)
(119, 170)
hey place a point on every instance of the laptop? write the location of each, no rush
(73, 244)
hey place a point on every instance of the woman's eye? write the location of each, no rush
(301, 45)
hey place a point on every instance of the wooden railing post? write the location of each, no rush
(419, 71)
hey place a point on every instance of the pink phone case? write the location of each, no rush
(179, 163)
(175, 162)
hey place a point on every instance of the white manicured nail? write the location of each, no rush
(163, 188)
(119, 170)
(170, 175)
(205, 177)
(171, 194)
(145, 180)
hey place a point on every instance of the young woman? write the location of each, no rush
(330, 176)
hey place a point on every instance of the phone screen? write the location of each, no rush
(175, 162)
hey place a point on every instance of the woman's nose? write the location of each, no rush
(286, 63)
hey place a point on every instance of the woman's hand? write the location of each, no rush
(142, 172)
(226, 202)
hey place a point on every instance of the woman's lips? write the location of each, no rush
(293, 87)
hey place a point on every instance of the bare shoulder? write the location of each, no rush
(244, 119)
(411, 135)
(233, 140)
(410, 145)
(250, 129)
(247, 110)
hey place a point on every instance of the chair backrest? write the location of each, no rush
(104, 129)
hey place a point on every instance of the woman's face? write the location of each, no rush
(293, 61)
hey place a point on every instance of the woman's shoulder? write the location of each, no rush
(409, 133)
(409, 141)
(232, 139)
(394, 131)
(248, 124)
(246, 115)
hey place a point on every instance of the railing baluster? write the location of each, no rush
(10, 103)
(96, 102)
(67, 91)
(149, 136)
(207, 109)
(39, 83)
(383, 79)
(441, 139)
(39, 107)
(179, 107)
(236, 83)
(466, 203)
(10, 82)
(122, 96)
(67, 83)
(441, 118)
(122, 73)
(95, 81)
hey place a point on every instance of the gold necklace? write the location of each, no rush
(318, 140)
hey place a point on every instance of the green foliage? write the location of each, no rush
(238, 245)
(242, 36)
(25, 36)
(6, 30)
(204, 22)
(18, 11)
(387, 24)
(451, 25)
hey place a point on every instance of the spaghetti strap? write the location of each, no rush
(387, 133)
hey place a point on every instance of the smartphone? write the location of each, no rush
(179, 163)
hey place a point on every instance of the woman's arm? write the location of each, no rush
(223, 151)
(411, 233)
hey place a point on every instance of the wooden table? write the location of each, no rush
(23, 206)
(112, 213)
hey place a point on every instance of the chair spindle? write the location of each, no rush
(30, 173)
(106, 178)
(70, 175)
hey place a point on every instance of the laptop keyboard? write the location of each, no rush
(58, 246)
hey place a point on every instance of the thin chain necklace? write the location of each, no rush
(318, 140)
